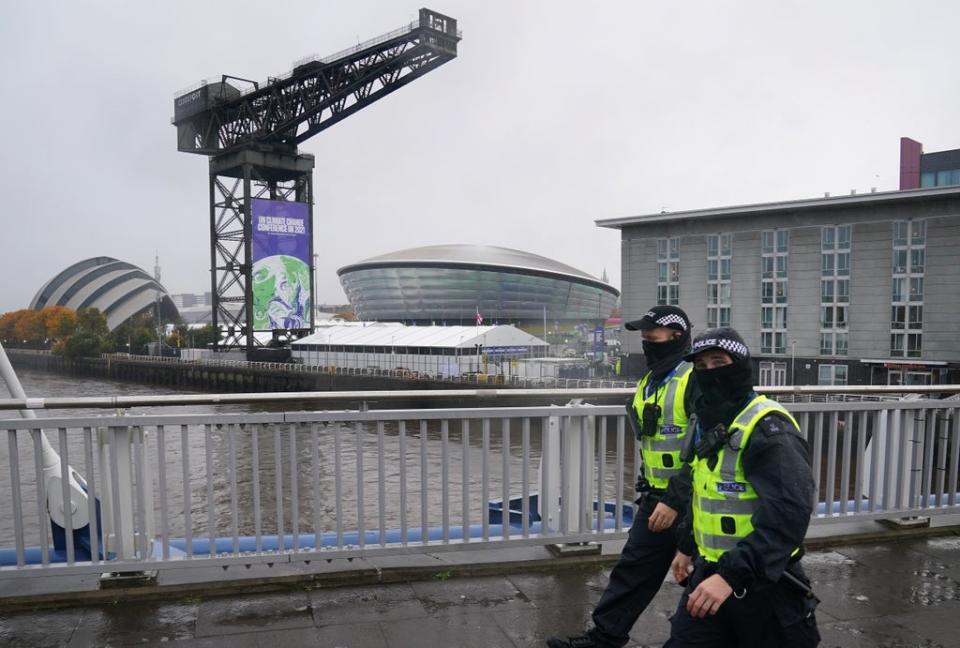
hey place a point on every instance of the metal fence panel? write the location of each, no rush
(869, 460)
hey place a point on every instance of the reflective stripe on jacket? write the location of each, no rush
(661, 451)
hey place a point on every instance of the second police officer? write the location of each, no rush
(751, 504)
(658, 413)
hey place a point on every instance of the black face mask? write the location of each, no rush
(657, 351)
(662, 357)
(722, 392)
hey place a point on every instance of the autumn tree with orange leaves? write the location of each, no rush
(50, 328)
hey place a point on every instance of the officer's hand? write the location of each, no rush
(661, 518)
(708, 597)
(682, 567)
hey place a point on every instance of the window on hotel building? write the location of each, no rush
(719, 266)
(774, 266)
(835, 245)
(773, 374)
(668, 271)
(830, 374)
(907, 288)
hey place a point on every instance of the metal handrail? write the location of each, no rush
(114, 402)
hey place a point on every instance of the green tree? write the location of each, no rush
(179, 338)
(90, 338)
(201, 338)
(133, 335)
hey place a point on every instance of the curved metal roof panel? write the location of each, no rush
(475, 255)
(132, 304)
(56, 284)
(88, 290)
(116, 288)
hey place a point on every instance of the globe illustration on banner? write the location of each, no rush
(281, 293)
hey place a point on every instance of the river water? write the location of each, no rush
(227, 454)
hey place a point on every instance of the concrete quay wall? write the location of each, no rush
(214, 378)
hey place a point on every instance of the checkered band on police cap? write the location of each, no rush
(724, 338)
(667, 320)
(669, 316)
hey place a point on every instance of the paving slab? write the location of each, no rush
(239, 614)
(136, 622)
(875, 632)
(243, 640)
(45, 627)
(352, 635)
(563, 587)
(938, 626)
(653, 626)
(368, 604)
(530, 630)
(459, 596)
(473, 630)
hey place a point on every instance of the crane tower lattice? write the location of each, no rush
(251, 131)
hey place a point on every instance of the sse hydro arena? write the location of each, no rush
(450, 284)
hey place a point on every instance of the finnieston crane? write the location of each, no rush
(251, 130)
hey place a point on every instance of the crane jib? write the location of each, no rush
(224, 114)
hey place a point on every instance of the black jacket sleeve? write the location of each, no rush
(776, 461)
(679, 489)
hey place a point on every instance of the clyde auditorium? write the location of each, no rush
(450, 284)
(118, 289)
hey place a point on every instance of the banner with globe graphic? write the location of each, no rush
(281, 264)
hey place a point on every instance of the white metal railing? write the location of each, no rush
(297, 486)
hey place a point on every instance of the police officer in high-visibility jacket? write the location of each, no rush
(658, 414)
(751, 503)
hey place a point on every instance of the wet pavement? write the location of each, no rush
(894, 594)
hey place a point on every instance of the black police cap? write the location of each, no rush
(668, 316)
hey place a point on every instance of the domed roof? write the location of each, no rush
(472, 255)
(116, 288)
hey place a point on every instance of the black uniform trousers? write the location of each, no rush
(774, 616)
(636, 578)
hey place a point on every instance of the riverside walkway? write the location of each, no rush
(878, 589)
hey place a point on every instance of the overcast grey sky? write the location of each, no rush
(554, 114)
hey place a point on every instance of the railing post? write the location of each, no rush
(123, 497)
(550, 476)
(567, 470)
(577, 441)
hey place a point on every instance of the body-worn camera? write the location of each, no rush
(651, 417)
(712, 440)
